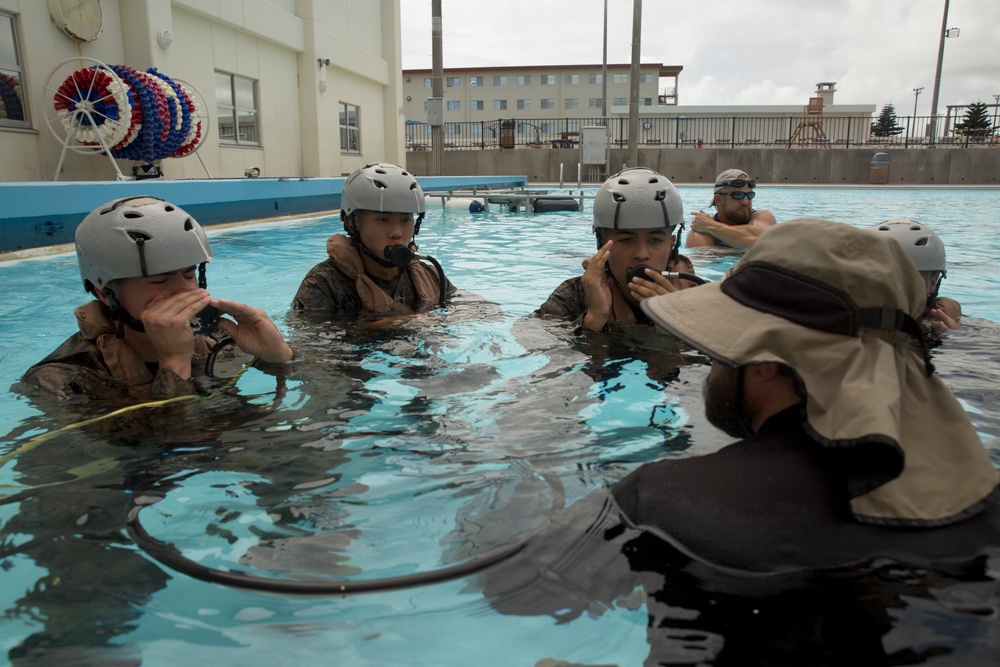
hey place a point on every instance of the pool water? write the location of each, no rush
(426, 451)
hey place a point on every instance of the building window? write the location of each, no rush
(350, 133)
(619, 78)
(620, 102)
(548, 128)
(571, 103)
(571, 79)
(13, 104)
(428, 82)
(476, 105)
(454, 105)
(596, 78)
(500, 80)
(548, 104)
(475, 129)
(452, 128)
(524, 79)
(476, 81)
(236, 104)
(548, 79)
(645, 77)
(499, 105)
(524, 104)
(572, 126)
(595, 103)
(454, 81)
(646, 101)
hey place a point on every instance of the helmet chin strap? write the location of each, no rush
(352, 230)
(122, 316)
(381, 261)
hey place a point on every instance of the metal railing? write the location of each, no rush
(694, 132)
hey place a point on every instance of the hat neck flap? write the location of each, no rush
(812, 303)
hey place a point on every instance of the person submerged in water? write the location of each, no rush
(153, 327)
(373, 267)
(851, 446)
(926, 250)
(637, 213)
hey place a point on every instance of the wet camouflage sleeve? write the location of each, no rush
(326, 289)
(76, 368)
(567, 302)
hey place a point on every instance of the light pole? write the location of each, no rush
(945, 32)
(996, 103)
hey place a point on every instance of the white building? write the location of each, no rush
(555, 98)
(313, 86)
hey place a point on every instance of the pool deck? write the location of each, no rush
(41, 214)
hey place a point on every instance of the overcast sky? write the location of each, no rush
(763, 52)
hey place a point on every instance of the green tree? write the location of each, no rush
(886, 125)
(977, 125)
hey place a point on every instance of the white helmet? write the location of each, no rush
(386, 188)
(138, 236)
(637, 198)
(923, 246)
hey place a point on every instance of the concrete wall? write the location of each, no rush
(850, 166)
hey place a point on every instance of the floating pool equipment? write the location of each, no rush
(466, 204)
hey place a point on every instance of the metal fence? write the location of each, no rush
(694, 132)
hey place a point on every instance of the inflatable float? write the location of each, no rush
(467, 204)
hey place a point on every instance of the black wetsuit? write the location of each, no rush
(778, 501)
(719, 243)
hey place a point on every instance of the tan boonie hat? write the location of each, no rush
(722, 180)
(838, 306)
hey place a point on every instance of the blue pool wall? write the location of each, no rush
(39, 214)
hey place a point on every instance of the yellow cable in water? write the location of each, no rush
(98, 466)
(39, 439)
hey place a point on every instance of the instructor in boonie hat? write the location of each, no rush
(848, 434)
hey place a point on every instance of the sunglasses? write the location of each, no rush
(738, 183)
(740, 195)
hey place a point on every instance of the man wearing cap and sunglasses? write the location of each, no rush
(736, 224)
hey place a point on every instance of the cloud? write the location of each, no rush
(734, 52)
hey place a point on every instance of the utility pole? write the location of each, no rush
(916, 96)
(945, 32)
(437, 86)
(996, 103)
(633, 93)
(604, 98)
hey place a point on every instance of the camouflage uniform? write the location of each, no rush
(96, 365)
(330, 290)
(569, 301)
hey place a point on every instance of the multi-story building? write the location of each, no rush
(544, 94)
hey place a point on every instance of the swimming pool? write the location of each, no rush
(399, 452)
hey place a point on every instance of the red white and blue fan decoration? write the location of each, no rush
(132, 115)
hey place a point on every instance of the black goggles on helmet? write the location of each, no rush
(737, 183)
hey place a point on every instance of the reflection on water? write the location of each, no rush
(401, 449)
